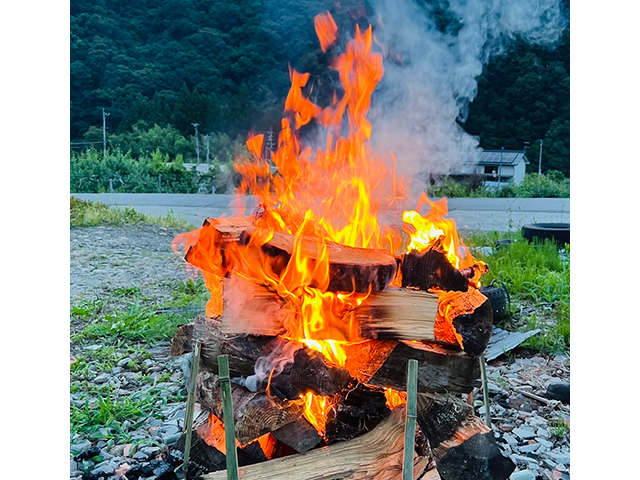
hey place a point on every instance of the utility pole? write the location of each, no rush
(197, 144)
(104, 132)
(540, 160)
(500, 168)
(206, 137)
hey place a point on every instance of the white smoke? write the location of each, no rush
(423, 95)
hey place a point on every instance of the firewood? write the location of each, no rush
(392, 314)
(309, 369)
(381, 363)
(299, 435)
(255, 413)
(384, 363)
(358, 408)
(208, 458)
(376, 455)
(350, 268)
(463, 446)
(431, 269)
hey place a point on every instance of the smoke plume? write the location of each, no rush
(433, 57)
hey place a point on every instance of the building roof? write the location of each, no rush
(502, 157)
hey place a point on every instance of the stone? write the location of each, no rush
(559, 458)
(523, 475)
(529, 448)
(524, 432)
(102, 378)
(559, 391)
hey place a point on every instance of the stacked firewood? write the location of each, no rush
(360, 432)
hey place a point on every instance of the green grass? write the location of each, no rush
(111, 417)
(125, 314)
(85, 213)
(536, 275)
(124, 323)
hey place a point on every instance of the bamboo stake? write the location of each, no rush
(485, 389)
(188, 418)
(227, 412)
(410, 422)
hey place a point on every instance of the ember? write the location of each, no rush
(317, 268)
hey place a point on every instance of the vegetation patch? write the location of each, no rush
(537, 277)
(86, 213)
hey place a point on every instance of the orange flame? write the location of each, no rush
(326, 29)
(425, 231)
(395, 398)
(329, 193)
(316, 408)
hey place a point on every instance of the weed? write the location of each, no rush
(85, 213)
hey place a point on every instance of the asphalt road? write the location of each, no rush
(486, 214)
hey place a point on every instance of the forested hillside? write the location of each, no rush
(159, 67)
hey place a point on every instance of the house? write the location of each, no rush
(498, 167)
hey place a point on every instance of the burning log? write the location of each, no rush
(255, 413)
(392, 314)
(305, 369)
(463, 446)
(384, 363)
(381, 363)
(350, 268)
(358, 409)
(299, 435)
(208, 453)
(431, 269)
(376, 455)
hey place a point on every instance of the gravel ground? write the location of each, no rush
(529, 426)
(104, 258)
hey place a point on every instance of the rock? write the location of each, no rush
(523, 475)
(558, 458)
(90, 452)
(524, 432)
(559, 391)
(116, 370)
(527, 407)
(529, 448)
(102, 378)
(80, 447)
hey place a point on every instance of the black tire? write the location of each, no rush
(498, 299)
(558, 232)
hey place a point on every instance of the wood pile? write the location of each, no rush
(359, 410)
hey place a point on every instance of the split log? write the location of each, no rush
(432, 269)
(463, 446)
(302, 369)
(357, 409)
(376, 455)
(213, 237)
(392, 314)
(255, 413)
(299, 435)
(350, 268)
(206, 458)
(381, 363)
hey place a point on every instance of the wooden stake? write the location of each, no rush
(410, 422)
(227, 409)
(485, 389)
(188, 420)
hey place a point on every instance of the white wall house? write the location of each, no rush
(500, 167)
